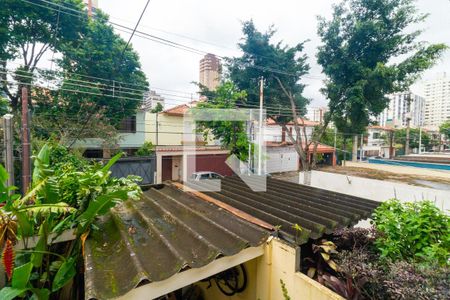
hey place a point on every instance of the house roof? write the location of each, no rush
(167, 232)
(380, 127)
(321, 148)
(285, 204)
(180, 110)
(300, 122)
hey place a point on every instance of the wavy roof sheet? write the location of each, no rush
(285, 204)
(166, 232)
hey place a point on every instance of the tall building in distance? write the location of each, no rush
(210, 70)
(401, 107)
(151, 100)
(437, 105)
(316, 114)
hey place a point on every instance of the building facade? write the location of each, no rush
(437, 95)
(210, 70)
(151, 100)
(317, 114)
(403, 106)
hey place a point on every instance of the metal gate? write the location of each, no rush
(144, 167)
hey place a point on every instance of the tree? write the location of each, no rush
(414, 136)
(28, 31)
(158, 108)
(368, 52)
(231, 134)
(445, 129)
(341, 142)
(4, 106)
(281, 67)
(98, 78)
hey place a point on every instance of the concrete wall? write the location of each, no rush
(264, 274)
(278, 262)
(377, 190)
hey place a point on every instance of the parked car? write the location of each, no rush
(205, 175)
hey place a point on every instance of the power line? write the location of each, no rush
(188, 48)
(120, 96)
(134, 30)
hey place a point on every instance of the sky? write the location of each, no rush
(215, 27)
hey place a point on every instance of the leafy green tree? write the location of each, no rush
(232, 134)
(4, 106)
(400, 138)
(342, 142)
(369, 51)
(28, 31)
(158, 108)
(281, 67)
(445, 129)
(79, 104)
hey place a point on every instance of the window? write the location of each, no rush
(128, 125)
(93, 153)
(376, 135)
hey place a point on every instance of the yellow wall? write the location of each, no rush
(265, 272)
(170, 129)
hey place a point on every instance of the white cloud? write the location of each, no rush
(218, 22)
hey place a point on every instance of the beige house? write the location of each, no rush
(176, 146)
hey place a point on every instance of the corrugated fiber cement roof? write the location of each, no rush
(166, 232)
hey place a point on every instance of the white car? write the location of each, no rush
(197, 176)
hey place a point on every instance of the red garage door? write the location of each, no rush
(212, 162)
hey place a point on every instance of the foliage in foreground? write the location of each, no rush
(66, 193)
(374, 277)
(406, 253)
(412, 232)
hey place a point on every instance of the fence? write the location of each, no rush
(144, 167)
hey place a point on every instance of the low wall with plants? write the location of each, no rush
(405, 255)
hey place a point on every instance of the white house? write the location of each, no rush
(377, 143)
(281, 153)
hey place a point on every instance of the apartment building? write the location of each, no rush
(151, 100)
(210, 69)
(437, 107)
(317, 114)
(403, 106)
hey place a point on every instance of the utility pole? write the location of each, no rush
(361, 151)
(355, 148)
(335, 150)
(90, 8)
(407, 136)
(261, 138)
(8, 140)
(408, 121)
(157, 129)
(26, 168)
(420, 139)
(391, 144)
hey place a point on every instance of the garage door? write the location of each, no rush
(281, 161)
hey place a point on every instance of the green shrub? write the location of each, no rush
(146, 149)
(412, 232)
